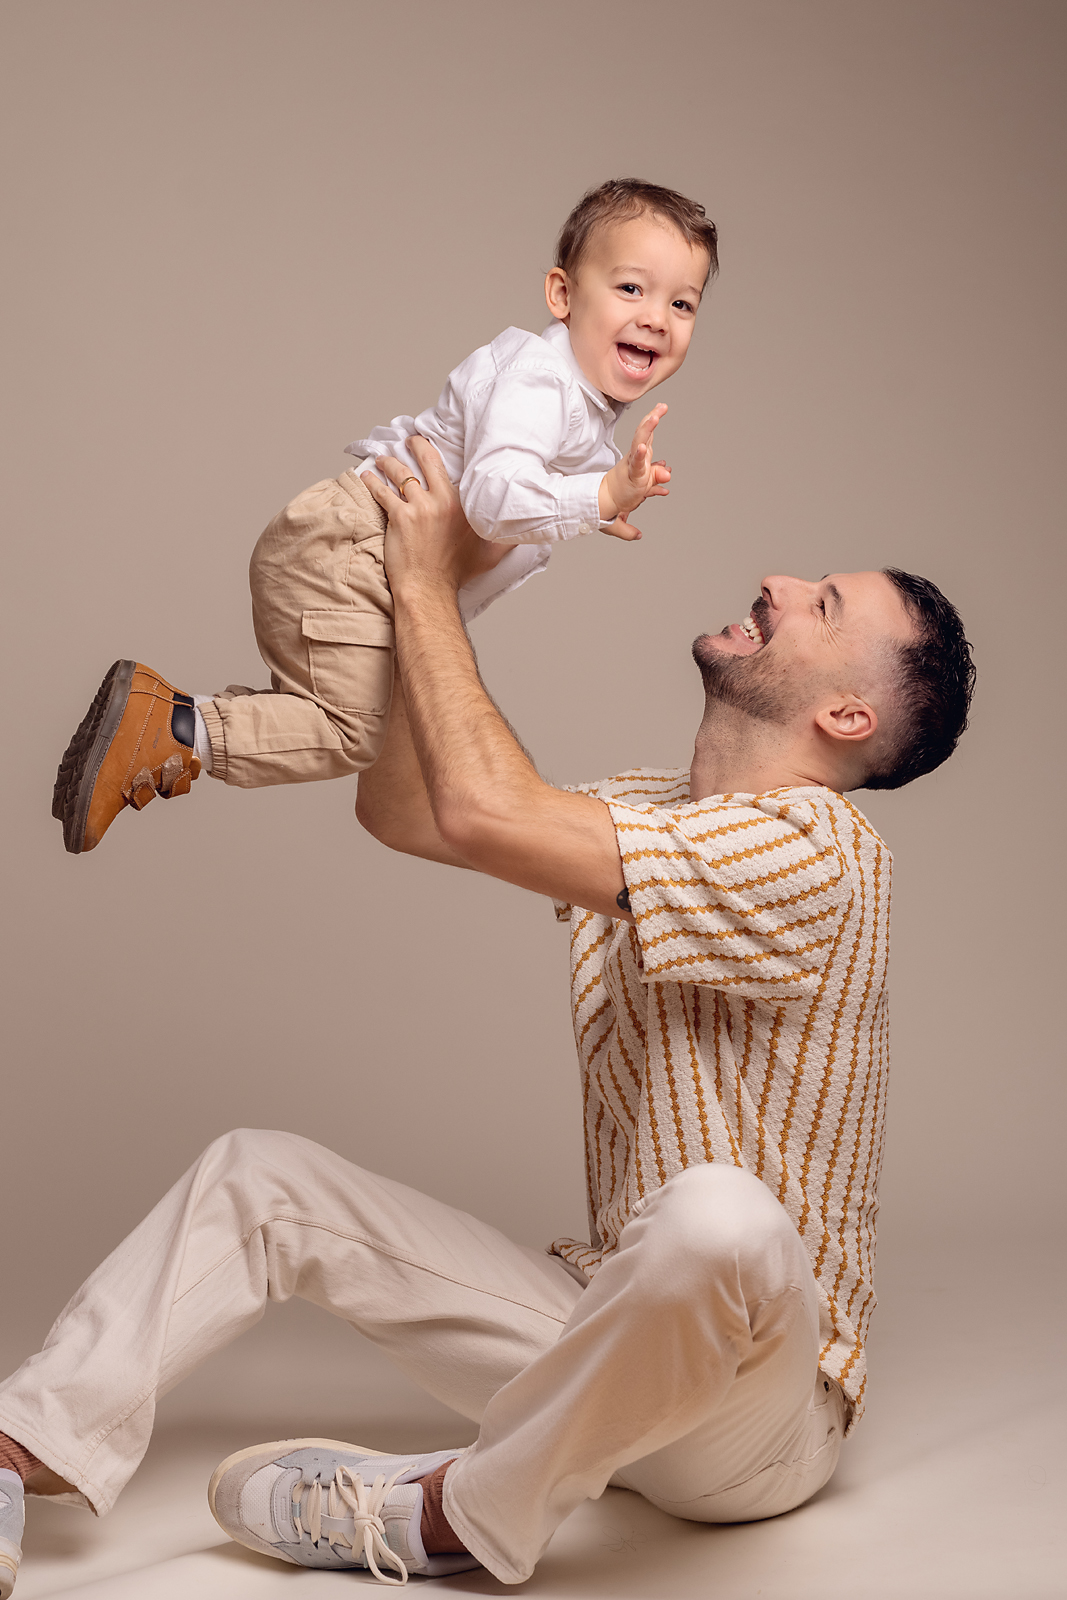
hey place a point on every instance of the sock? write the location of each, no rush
(201, 742)
(437, 1534)
(16, 1458)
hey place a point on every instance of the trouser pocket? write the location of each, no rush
(350, 658)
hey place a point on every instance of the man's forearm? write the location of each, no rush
(473, 767)
(391, 800)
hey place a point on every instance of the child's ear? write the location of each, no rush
(558, 294)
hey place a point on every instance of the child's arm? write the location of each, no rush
(633, 479)
(512, 430)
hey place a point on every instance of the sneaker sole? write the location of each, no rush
(278, 1447)
(84, 755)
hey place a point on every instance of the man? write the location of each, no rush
(729, 939)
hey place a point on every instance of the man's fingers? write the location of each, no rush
(429, 459)
(396, 471)
(378, 490)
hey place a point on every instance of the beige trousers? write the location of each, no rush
(323, 617)
(687, 1370)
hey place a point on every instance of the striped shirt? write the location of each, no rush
(741, 1018)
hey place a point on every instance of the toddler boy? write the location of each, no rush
(525, 428)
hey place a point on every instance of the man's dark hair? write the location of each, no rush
(935, 682)
(619, 200)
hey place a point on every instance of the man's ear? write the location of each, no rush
(558, 294)
(847, 718)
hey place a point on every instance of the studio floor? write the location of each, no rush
(952, 1487)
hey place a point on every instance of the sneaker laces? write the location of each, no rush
(365, 1503)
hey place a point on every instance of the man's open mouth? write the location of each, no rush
(636, 358)
(752, 628)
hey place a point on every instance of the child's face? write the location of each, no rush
(631, 307)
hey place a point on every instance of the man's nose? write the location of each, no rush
(778, 589)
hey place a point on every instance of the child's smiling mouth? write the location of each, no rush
(636, 358)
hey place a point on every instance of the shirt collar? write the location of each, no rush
(558, 336)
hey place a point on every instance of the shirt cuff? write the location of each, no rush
(580, 503)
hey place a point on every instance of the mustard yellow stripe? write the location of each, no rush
(697, 1071)
(782, 931)
(668, 1065)
(761, 1114)
(828, 1064)
(719, 1090)
(716, 909)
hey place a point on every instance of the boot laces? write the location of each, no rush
(347, 1490)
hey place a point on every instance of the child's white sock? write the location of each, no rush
(201, 742)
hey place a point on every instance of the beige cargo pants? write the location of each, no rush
(323, 617)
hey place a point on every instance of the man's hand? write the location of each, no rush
(634, 479)
(428, 538)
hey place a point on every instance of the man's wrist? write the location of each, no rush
(423, 590)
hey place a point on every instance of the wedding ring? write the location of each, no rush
(411, 478)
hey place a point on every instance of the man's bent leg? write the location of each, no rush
(265, 1216)
(687, 1367)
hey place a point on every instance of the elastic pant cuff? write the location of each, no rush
(216, 733)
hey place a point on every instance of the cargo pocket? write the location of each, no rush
(350, 655)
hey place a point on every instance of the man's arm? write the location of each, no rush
(391, 799)
(490, 809)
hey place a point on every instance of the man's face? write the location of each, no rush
(804, 640)
(631, 306)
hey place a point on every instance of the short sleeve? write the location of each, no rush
(747, 894)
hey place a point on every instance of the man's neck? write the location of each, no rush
(737, 754)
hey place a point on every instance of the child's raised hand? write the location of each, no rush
(633, 479)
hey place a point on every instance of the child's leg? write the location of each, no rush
(324, 621)
(323, 616)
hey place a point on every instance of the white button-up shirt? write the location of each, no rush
(527, 439)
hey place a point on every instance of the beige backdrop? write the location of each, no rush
(240, 232)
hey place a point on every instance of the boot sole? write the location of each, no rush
(84, 755)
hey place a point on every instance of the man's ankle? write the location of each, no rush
(36, 1477)
(45, 1482)
(438, 1536)
(16, 1458)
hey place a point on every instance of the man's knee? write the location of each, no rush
(717, 1218)
(247, 1157)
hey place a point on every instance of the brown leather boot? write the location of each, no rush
(135, 741)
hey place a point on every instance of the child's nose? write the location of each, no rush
(653, 316)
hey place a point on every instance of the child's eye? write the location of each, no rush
(682, 305)
(629, 288)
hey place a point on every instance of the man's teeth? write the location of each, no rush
(753, 630)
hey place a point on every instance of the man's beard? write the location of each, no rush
(755, 685)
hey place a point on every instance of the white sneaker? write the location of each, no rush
(321, 1503)
(12, 1518)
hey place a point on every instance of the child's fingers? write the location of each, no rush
(647, 426)
(621, 529)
